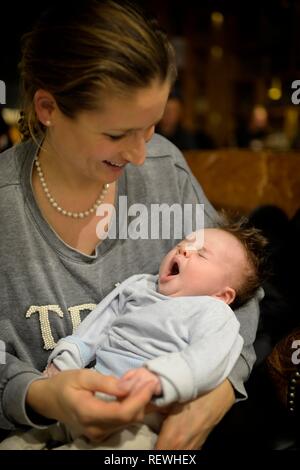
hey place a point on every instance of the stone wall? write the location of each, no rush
(244, 180)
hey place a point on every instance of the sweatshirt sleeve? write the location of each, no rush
(15, 378)
(214, 347)
(248, 316)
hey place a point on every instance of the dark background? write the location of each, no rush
(268, 32)
(260, 41)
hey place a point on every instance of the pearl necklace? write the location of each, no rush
(52, 201)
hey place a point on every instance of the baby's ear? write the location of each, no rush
(227, 294)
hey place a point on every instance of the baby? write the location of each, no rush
(174, 330)
(187, 344)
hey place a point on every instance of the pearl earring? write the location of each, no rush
(48, 123)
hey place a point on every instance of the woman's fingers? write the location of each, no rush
(119, 411)
(131, 408)
(70, 398)
(96, 382)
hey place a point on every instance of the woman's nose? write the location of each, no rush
(137, 153)
(137, 156)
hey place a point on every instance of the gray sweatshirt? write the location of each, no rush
(47, 287)
(192, 343)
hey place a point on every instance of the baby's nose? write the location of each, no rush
(182, 250)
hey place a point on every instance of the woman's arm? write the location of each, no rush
(28, 398)
(15, 378)
(188, 425)
(69, 398)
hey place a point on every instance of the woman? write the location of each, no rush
(96, 80)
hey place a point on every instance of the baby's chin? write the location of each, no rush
(165, 289)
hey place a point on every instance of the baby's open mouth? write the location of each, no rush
(174, 269)
(171, 271)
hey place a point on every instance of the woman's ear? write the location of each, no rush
(228, 294)
(44, 105)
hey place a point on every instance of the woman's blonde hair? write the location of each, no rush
(83, 52)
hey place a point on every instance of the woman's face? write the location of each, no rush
(98, 145)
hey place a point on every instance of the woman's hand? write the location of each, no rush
(69, 397)
(188, 425)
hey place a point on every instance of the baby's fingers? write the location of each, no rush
(129, 374)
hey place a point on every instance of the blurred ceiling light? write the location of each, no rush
(275, 90)
(11, 116)
(216, 52)
(217, 19)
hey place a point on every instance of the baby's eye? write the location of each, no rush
(115, 137)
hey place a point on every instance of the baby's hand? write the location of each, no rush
(51, 370)
(134, 379)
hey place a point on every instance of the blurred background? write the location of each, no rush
(237, 61)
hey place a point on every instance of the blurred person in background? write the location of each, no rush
(171, 125)
(252, 134)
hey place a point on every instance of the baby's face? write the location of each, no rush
(208, 268)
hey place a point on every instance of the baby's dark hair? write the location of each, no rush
(254, 244)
